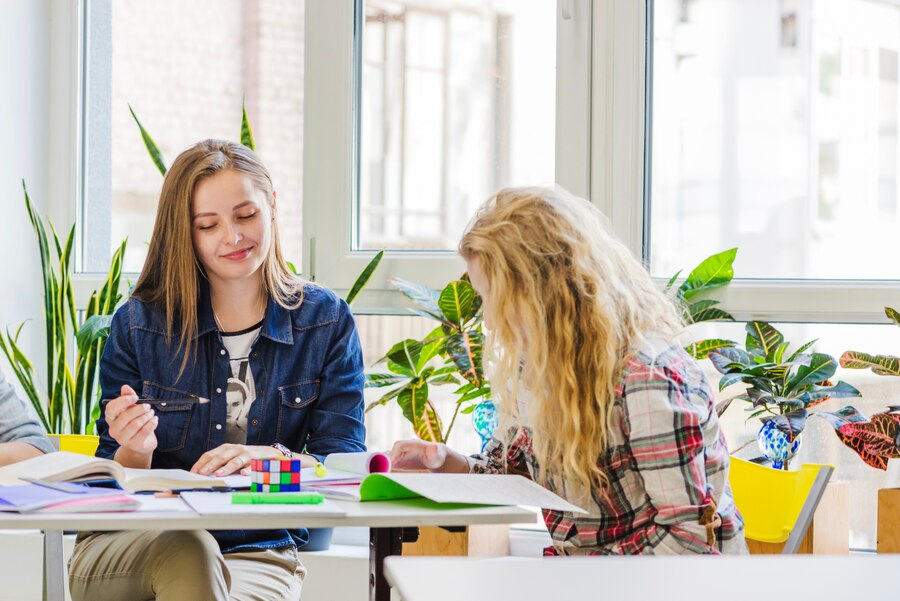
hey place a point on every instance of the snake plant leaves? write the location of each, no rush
(456, 302)
(363, 277)
(152, 148)
(714, 271)
(246, 131)
(791, 423)
(883, 365)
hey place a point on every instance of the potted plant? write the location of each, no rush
(713, 272)
(451, 354)
(876, 439)
(781, 388)
(71, 403)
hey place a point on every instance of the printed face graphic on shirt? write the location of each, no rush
(239, 395)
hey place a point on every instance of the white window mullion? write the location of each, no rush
(618, 116)
(573, 107)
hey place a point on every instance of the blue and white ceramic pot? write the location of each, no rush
(775, 446)
(484, 420)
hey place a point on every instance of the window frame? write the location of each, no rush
(608, 162)
(331, 92)
(621, 170)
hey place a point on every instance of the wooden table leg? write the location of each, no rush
(384, 542)
(54, 568)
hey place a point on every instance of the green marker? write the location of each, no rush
(277, 498)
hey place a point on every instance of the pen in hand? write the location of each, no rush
(196, 400)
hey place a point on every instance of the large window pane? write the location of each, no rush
(185, 68)
(458, 99)
(774, 128)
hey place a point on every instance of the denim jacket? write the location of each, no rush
(307, 367)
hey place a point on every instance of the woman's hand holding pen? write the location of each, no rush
(420, 455)
(133, 426)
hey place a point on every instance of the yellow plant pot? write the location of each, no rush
(84, 444)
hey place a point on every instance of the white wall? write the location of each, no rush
(24, 153)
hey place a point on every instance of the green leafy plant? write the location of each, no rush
(71, 402)
(713, 272)
(449, 354)
(883, 365)
(780, 388)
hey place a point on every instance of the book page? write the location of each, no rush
(485, 489)
(164, 479)
(61, 466)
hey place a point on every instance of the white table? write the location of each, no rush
(390, 523)
(682, 578)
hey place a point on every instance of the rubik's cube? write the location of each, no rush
(275, 475)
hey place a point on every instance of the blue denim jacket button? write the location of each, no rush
(218, 390)
(218, 426)
(222, 352)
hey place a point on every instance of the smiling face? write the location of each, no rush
(231, 227)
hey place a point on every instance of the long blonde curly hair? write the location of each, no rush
(568, 303)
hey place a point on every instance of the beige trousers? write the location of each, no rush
(179, 565)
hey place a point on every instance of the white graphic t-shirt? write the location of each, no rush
(241, 391)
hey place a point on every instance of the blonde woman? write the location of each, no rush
(217, 314)
(598, 401)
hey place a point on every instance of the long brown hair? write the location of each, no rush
(568, 304)
(171, 275)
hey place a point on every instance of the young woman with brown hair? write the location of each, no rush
(217, 314)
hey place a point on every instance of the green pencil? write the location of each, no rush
(276, 498)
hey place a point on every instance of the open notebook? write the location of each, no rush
(63, 466)
(368, 477)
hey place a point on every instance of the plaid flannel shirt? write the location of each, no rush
(666, 460)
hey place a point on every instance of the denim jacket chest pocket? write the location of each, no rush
(174, 418)
(295, 401)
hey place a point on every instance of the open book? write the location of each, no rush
(344, 469)
(469, 489)
(63, 466)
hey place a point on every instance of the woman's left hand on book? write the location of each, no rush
(230, 459)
